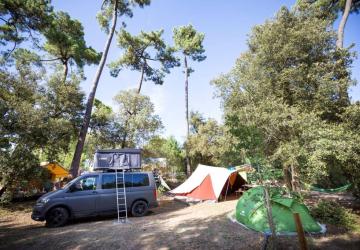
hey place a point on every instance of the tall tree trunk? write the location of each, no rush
(141, 78)
(74, 170)
(287, 177)
(125, 136)
(123, 143)
(188, 169)
(66, 70)
(292, 178)
(294, 183)
(269, 216)
(340, 34)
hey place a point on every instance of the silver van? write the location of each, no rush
(94, 194)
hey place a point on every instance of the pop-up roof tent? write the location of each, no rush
(251, 212)
(208, 183)
(128, 158)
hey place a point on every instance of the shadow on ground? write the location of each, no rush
(171, 226)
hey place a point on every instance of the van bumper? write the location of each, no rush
(153, 204)
(37, 214)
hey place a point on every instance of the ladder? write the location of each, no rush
(121, 197)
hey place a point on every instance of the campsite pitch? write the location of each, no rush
(173, 225)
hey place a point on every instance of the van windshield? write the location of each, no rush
(70, 183)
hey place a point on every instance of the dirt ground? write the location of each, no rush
(173, 225)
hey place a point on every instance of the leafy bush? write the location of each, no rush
(5, 198)
(332, 213)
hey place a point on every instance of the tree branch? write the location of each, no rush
(50, 60)
(11, 51)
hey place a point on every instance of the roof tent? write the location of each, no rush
(127, 158)
(208, 183)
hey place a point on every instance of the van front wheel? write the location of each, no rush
(139, 208)
(57, 217)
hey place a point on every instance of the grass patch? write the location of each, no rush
(15, 208)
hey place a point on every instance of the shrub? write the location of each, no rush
(6, 198)
(330, 212)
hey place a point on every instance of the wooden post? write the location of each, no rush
(300, 232)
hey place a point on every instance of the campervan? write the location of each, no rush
(94, 194)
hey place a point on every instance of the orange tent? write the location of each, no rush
(56, 170)
(209, 183)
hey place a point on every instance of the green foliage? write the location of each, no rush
(141, 52)
(189, 42)
(40, 116)
(168, 148)
(16, 166)
(103, 131)
(20, 18)
(330, 8)
(333, 213)
(286, 99)
(131, 124)
(65, 41)
(209, 143)
(124, 8)
(101, 117)
(135, 115)
(351, 117)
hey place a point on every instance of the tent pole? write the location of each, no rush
(227, 187)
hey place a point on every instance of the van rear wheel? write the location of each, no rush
(57, 217)
(139, 208)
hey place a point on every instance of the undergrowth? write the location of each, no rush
(331, 212)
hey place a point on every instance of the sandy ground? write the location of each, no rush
(172, 225)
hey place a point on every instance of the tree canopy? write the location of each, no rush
(21, 18)
(131, 124)
(209, 142)
(189, 42)
(288, 93)
(40, 116)
(141, 53)
(65, 42)
(123, 8)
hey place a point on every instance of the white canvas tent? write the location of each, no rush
(206, 183)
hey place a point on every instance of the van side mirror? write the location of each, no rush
(75, 187)
(72, 188)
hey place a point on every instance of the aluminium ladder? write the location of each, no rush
(121, 197)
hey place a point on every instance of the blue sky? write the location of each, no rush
(226, 25)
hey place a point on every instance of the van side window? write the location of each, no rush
(140, 180)
(87, 183)
(108, 181)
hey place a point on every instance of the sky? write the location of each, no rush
(226, 25)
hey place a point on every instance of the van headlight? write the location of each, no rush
(43, 201)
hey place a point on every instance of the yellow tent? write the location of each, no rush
(56, 170)
(243, 170)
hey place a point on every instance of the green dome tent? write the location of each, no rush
(251, 212)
